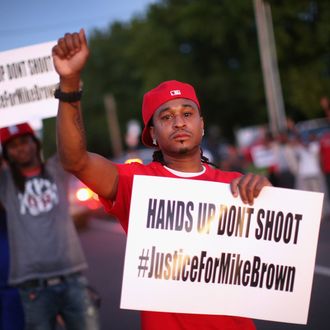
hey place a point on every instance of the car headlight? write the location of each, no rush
(84, 194)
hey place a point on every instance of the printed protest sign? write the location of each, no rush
(194, 248)
(263, 156)
(27, 82)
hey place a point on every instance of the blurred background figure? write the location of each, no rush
(135, 151)
(11, 310)
(325, 149)
(262, 156)
(232, 159)
(285, 167)
(132, 136)
(325, 105)
(309, 174)
(213, 144)
(46, 258)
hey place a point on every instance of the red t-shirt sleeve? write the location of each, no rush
(120, 206)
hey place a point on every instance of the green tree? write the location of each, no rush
(302, 32)
(213, 45)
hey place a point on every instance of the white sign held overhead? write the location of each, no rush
(27, 82)
(194, 248)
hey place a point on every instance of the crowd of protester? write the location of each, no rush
(294, 158)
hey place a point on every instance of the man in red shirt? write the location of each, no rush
(325, 145)
(174, 127)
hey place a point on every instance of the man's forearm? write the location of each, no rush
(71, 142)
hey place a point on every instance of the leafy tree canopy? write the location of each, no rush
(213, 45)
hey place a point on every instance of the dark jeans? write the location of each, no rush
(70, 299)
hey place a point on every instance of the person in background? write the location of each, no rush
(309, 173)
(134, 151)
(325, 105)
(46, 259)
(285, 168)
(325, 148)
(11, 310)
(174, 127)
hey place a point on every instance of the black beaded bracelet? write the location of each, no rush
(68, 97)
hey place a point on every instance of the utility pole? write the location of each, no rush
(274, 97)
(113, 125)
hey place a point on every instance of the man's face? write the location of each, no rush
(22, 151)
(177, 126)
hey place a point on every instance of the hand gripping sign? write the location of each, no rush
(206, 253)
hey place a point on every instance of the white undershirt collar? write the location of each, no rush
(186, 174)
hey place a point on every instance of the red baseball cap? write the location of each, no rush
(166, 91)
(10, 132)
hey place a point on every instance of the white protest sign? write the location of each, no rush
(263, 156)
(194, 248)
(27, 82)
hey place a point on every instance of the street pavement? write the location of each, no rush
(104, 242)
(104, 245)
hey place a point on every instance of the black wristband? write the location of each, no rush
(68, 97)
